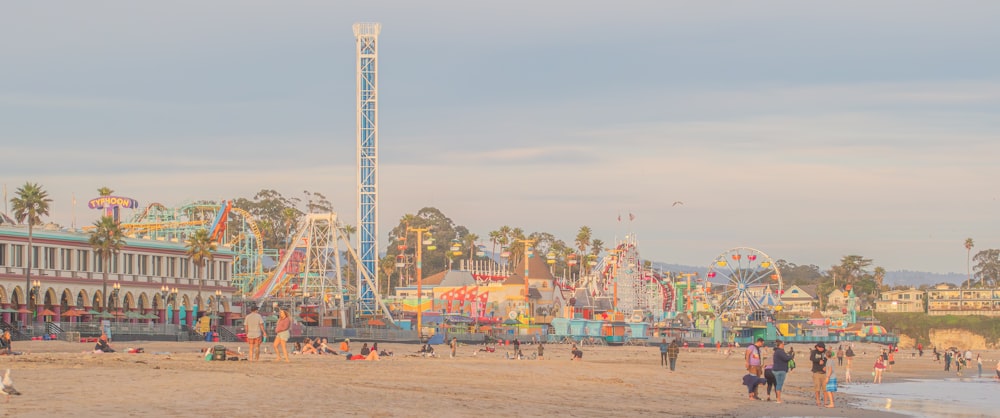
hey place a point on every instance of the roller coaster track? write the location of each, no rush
(248, 218)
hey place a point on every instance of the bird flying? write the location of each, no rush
(678, 202)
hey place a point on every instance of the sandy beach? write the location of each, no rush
(64, 378)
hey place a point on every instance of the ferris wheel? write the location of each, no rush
(752, 284)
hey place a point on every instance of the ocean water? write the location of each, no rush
(952, 397)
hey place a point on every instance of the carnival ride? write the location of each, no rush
(229, 226)
(311, 267)
(621, 283)
(752, 286)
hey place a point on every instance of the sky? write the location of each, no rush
(806, 130)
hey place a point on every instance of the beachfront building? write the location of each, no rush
(908, 300)
(796, 300)
(984, 302)
(148, 281)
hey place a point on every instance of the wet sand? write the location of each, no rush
(63, 378)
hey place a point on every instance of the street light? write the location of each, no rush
(527, 253)
(420, 277)
(35, 287)
(173, 296)
(114, 296)
(218, 306)
(164, 291)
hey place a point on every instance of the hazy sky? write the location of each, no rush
(808, 130)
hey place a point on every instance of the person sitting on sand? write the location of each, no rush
(103, 345)
(324, 347)
(5, 343)
(372, 355)
(345, 346)
(365, 350)
(577, 354)
(308, 347)
(426, 350)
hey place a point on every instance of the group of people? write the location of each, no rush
(824, 380)
(669, 353)
(781, 364)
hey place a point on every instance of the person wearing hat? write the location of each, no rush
(818, 358)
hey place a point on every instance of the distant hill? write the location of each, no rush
(917, 278)
(892, 278)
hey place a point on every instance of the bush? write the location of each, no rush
(918, 325)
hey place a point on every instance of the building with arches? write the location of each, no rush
(148, 281)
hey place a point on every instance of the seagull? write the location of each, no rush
(678, 202)
(8, 386)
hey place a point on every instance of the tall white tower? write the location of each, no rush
(366, 35)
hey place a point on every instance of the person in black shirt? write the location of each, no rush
(818, 358)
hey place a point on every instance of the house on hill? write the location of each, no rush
(797, 300)
(909, 300)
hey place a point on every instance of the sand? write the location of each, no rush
(58, 378)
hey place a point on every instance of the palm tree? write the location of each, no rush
(107, 239)
(30, 204)
(879, 277)
(968, 259)
(582, 242)
(494, 239)
(470, 240)
(200, 249)
(348, 230)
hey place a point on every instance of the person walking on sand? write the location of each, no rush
(780, 367)
(818, 358)
(879, 367)
(253, 325)
(979, 363)
(752, 359)
(673, 351)
(282, 333)
(454, 346)
(663, 353)
(840, 355)
(541, 350)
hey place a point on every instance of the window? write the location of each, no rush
(17, 255)
(157, 265)
(143, 264)
(65, 259)
(114, 263)
(34, 257)
(81, 260)
(185, 269)
(171, 266)
(48, 257)
(3, 254)
(129, 264)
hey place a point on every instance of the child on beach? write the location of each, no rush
(879, 367)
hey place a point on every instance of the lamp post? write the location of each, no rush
(35, 287)
(527, 252)
(420, 277)
(173, 296)
(164, 291)
(218, 306)
(114, 297)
